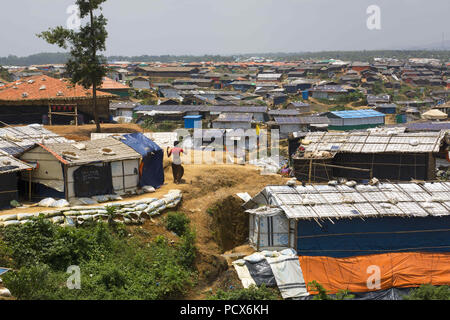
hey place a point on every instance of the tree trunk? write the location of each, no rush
(94, 85)
(97, 122)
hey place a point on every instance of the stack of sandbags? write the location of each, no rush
(131, 212)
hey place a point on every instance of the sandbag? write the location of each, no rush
(148, 189)
(174, 203)
(72, 213)
(4, 292)
(58, 219)
(11, 223)
(8, 217)
(69, 222)
(101, 199)
(289, 252)
(60, 203)
(24, 216)
(87, 201)
(255, 258)
(47, 202)
(156, 204)
(141, 207)
(114, 197)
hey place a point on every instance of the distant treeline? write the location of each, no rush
(367, 56)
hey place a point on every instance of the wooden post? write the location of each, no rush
(76, 115)
(49, 114)
(29, 185)
(296, 235)
(123, 177)
(66, 182)
(310, 171)
(259, 232)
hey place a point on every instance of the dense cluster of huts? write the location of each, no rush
(366, 193)
(37, 164)
(278, 86)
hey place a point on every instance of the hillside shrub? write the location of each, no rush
(252, 293)
(113, 265)
(177, 222)
(429, 292)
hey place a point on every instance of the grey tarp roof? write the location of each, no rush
(374, 142)
(341, 201)
(94, 151)
(10, 164)
(16, 140)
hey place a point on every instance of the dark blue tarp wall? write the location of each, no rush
(152, 156)
(346, 238)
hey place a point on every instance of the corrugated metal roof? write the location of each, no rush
(10, 164)
(287, 112)
(352, 114)
(101, 150)
(16, 140)
(374, 142)
(341, 201)
(234, 117)
(203, 108)
(302, 120)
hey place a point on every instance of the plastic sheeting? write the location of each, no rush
(273, 269)
(346, 238)
(377, 272)
(288, 276)
(93, 180)
(261, 272)
(388, 294)
(243, 274)
(152, 172)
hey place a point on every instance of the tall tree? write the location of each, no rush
(85, 65)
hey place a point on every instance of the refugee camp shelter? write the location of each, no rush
(151, 169)
(16, 140)
(340, 231)
(434, 114)
(194, 121)
(111, 86)
(339, 220)
(233, 121)
(76, 170)
(361, 155)
(42, 99)
(355, 119)
(10, 169)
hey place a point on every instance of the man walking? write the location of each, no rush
(177, 168)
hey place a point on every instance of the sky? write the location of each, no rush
(197, 27)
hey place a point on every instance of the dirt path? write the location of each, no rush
(83, 132)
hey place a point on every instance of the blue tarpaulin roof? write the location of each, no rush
(152, 173)
(3, 270)
(192, 117)
(366, 113)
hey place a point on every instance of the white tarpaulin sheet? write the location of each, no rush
(288, 275)
(243, 274)
(286, 270)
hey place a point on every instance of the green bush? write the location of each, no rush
(252, 293)
(112, 265)
(177, 222)
(322, 293)
(35, 282)
(429, 292)
(187, 249)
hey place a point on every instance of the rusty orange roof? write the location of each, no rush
(110, 84)
(43, 87)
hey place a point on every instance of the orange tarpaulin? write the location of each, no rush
(377, 272)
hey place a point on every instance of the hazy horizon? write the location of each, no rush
(232, 27)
